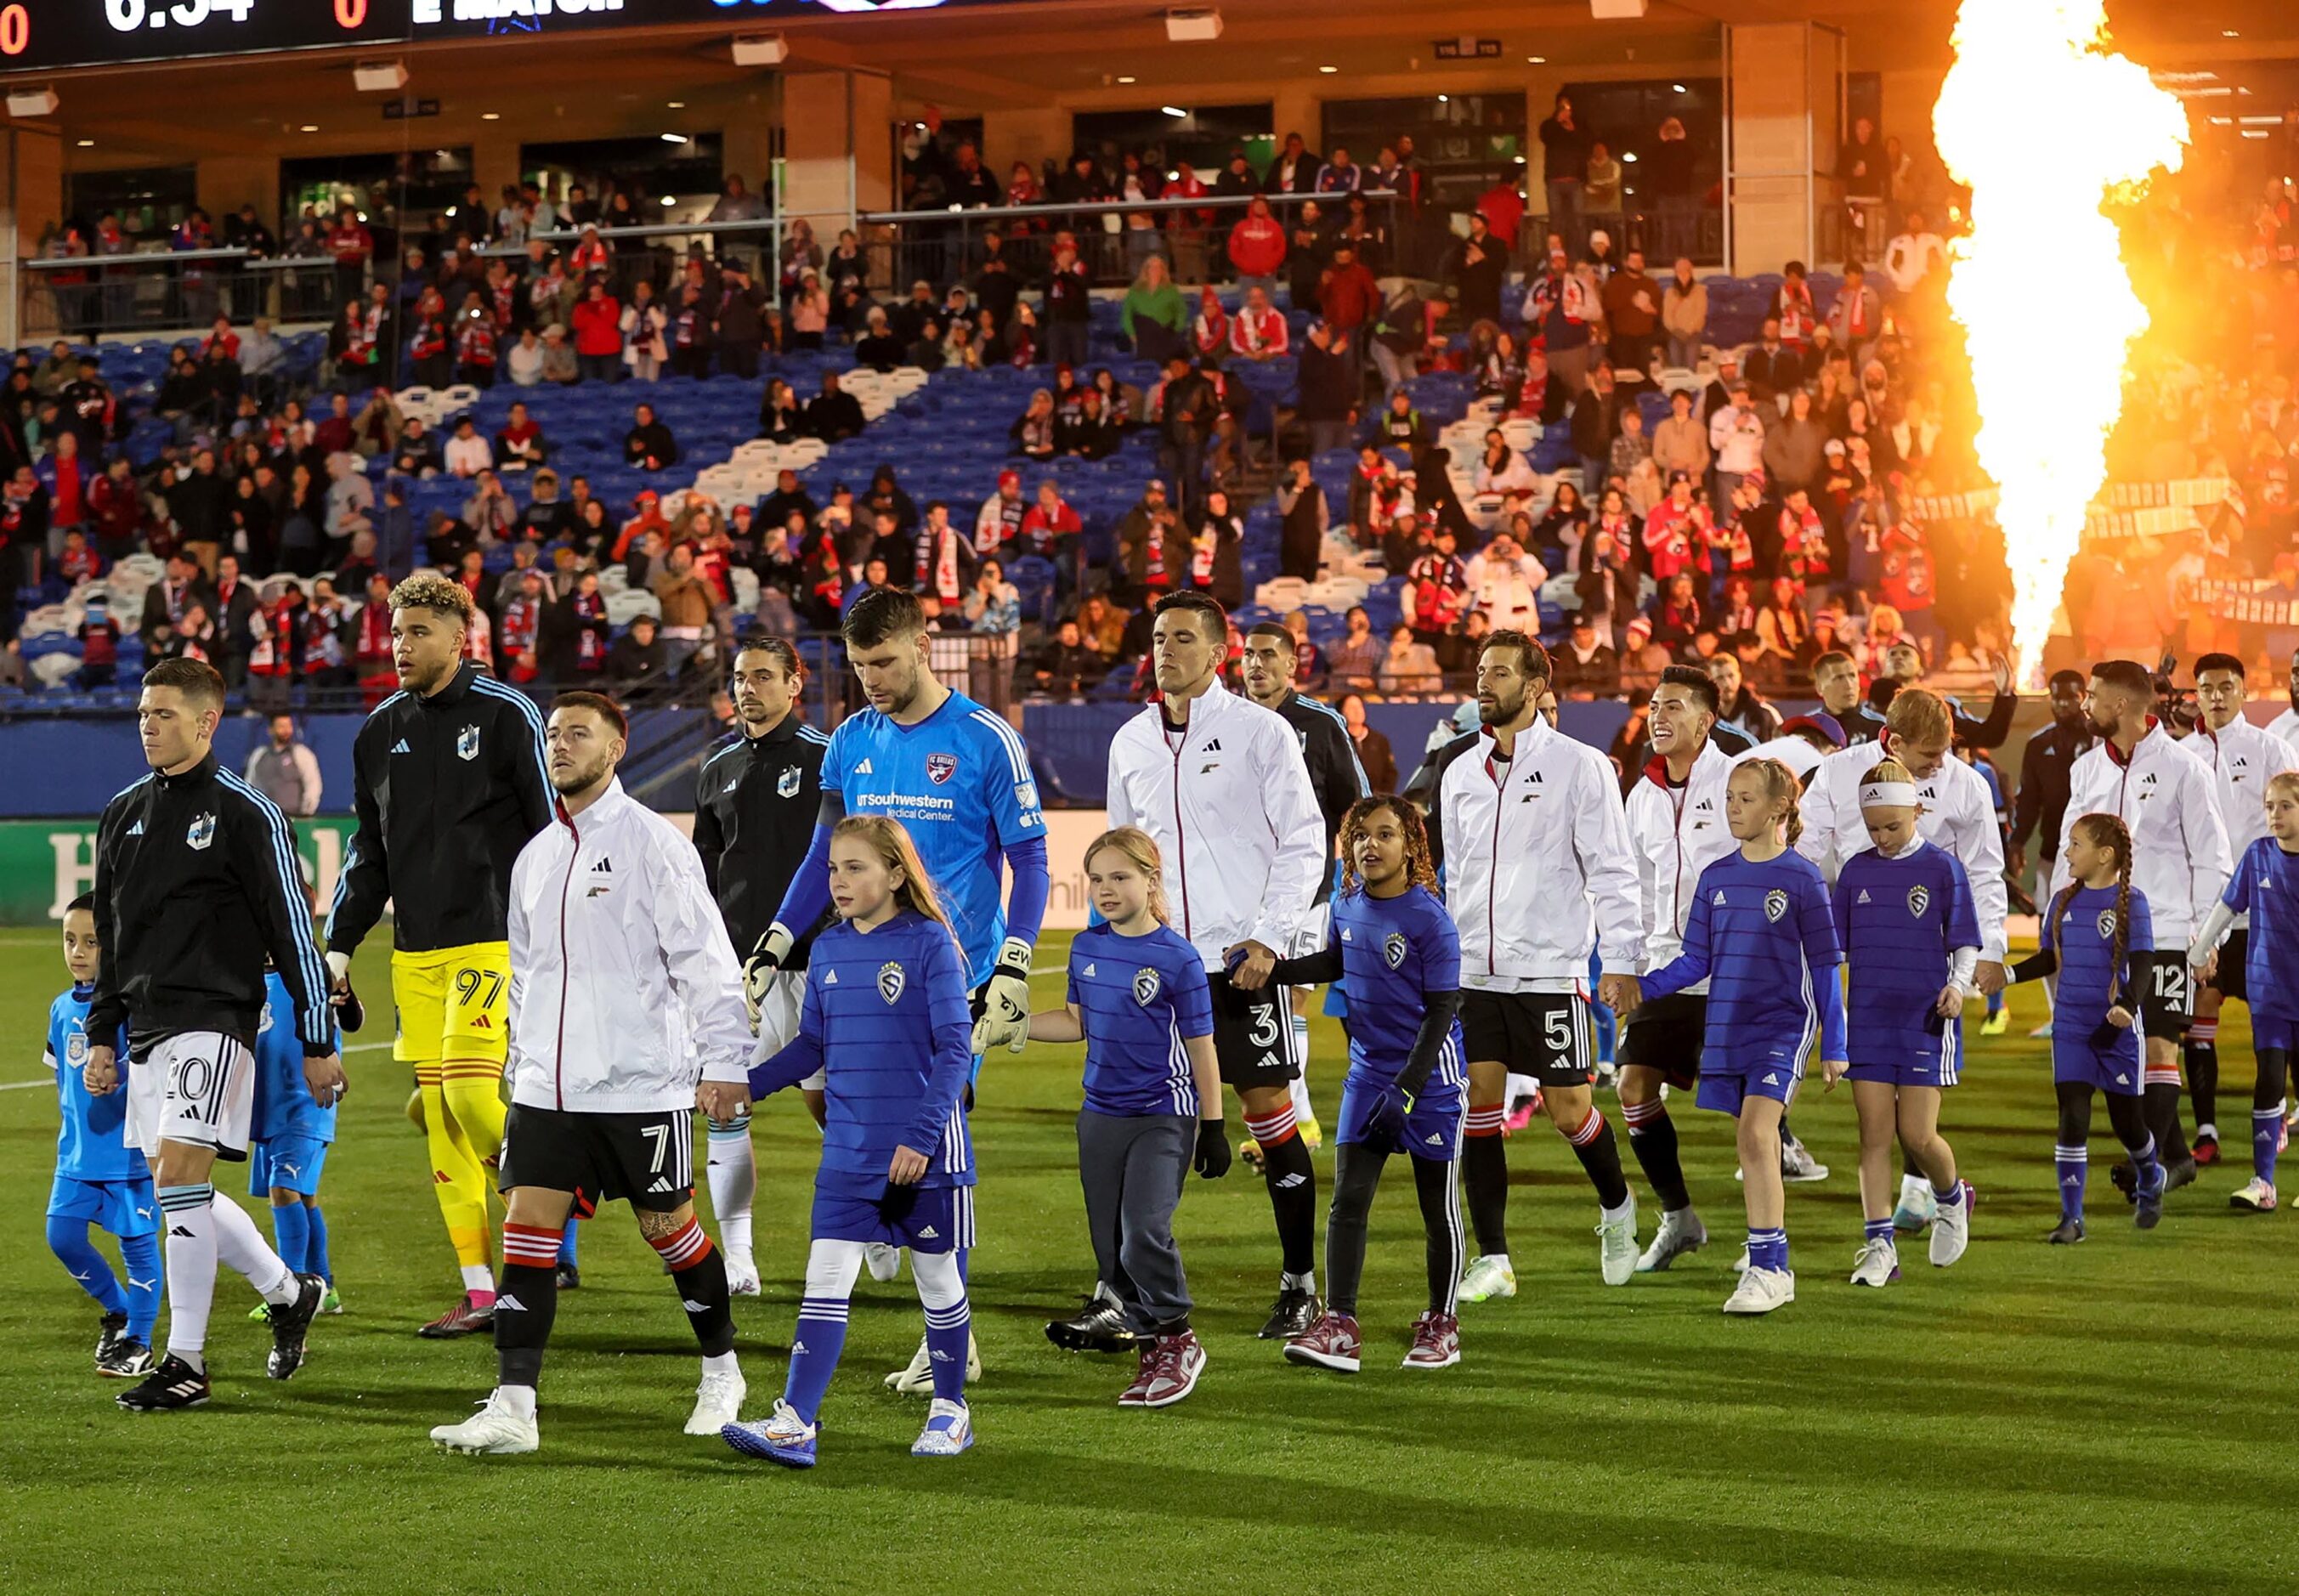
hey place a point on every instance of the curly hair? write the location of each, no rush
(1419, 867)
(429, 590)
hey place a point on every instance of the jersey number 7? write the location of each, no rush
(469, 982)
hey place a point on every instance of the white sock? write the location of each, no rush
(1621, 1212)
(519, 1399)
(478, 1277)
(732, 1170)
(189, 1253)
(1298, 1088)
(241, 1244)
(1306, 1281)
(724, 1363)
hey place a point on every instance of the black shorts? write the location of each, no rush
(1253, 1033)
(2167, 993)
(645, 1159)
(2227, 979)
(1667, 1034)
(1548, 1035)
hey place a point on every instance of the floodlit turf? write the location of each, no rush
(2104, 1418)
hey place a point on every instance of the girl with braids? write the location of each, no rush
(1138, 1000)
(1761, 934)
(2265, 879)
(1406, 1090)
(2096, 931)
(1911, 936)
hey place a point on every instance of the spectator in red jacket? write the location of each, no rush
(1256, 246)
(598, 334)
(1347, 296)
(1257, 332)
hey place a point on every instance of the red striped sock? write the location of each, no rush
(1274, 1129)
(683, 1248)
(2162, 1075)
(1491, 1119)
(531, 1246)
(1590, 1129)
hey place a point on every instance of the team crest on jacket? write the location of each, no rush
(889, 980)
(2107, 923)
(202, 832)
(1776, 904)
(467, 743)
(1919, 900)
(787, 784)
(941, 766)
(1392, 951)
(1145, 986)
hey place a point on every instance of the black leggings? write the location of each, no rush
(2126, 1115)
(2274, 1070)
(1357, 1176)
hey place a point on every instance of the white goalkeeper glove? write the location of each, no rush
(759, 969)
(1005, 1019)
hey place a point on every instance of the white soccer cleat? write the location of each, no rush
(1952, 1229)
(950, 1430)
(883, 1261)
(741, 1275)
(1680, 1232)
(2256, 1195)
(1616, 1245)
(1917, 1206)
(495, 1430)
(718, 1403)
(1797, 1164)
(1760, 1290)
(1487, 1278)
(1876, 1263)
(785, 1438)
(917, 1379)
(2042, 1033)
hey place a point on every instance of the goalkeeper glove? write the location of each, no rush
(1005, 1008)
(759, 970)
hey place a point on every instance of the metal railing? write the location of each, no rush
(1662, 235)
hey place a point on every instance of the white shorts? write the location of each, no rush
(197, 1088)
(778, 1022)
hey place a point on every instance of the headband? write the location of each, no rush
(1888, 795)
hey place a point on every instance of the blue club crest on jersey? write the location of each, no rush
(1919, 900)
(1776, 905)
(890, 981)
(467, 744)
(2106, 924)
(1145, 986)
(202, 832)
(941, 766)
(787, 784)
(1392, 951)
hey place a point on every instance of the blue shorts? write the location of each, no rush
(2267, 1031)
(1933, 1064)
(2110, 1069)
(294, 1162)
(1726, 1092)
(124, 1208)
(1432, 1131)
(941, 1221)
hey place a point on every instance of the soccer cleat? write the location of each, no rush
(332, 1304)
(1917, 1206)
(1680, 1232)
(918, 1379)
(1996, 1024)
(496, 1430)
(291, 1322)
(785, 1438)
(1332, 1343)
(950, 1430)
(1436, 1341)
(883, 1262)
(1876, 1263)
(2206, 1151)
(1146, 1371)
(2256, 1195)
(1797, 1162)
(1294, 1311)
(172, 1387)
(1097, 1327)
(260, 1313)
(2067, 1232)
(1616, 1245)
(2124, 1177)
(1174, 1372)
(2180, 1174)
(1952, 1233)
(2042, 1033)
(741, 1275)
(2147, 1203)
(1740, 1264)
(466, 1316)
(1487, 1278)
(1249, 1153)
(717, 1402)
(1521, 1114)
(110, 1329)
(125, 1358)
(1760, 1290)
(1312, 1135)
(571, 1278)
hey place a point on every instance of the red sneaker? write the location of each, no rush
(1179, 1360)
(1330, 1342)
(1130, 1397)
(1436, 1341)
(2207, 1150)
(468, 1314)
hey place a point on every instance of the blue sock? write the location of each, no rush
(948, 1330)
(567, 1247)
(1768, 1249)
(1877, 1230)
(141, 1254)
(2073, 1165)
(815, 1347)
(67, 1240)
(1995, 1004)
(2266, 1141)
(964, 1253)
(1950, 1194)
(292, 1232)
(315, 1244)
(2152, 1176)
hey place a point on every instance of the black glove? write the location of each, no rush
(1212, 1159)
(1387, 1128)
(350, 1012)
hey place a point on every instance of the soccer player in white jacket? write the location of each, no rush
(1538, 874)
(2160, 790)
(624, 991)
(2241, 756)
(1219, 782)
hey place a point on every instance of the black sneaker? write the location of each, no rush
(125, 1358)
(290, 1323)
(174, 1385)
(1097, 1327)
(2066, 1232)
(2180, 1174)
(1295, 1311)
(571, 1278)
(2126, 1177)
(110, 1329)
(2148, 1207)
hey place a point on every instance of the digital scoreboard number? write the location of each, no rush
(46, 35)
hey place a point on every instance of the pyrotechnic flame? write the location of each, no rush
(2042, 119)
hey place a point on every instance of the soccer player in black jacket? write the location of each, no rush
(1271, 665)
(196, 884)
(756, 799)
(449, 784)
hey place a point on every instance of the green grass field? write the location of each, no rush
(2096, 1420)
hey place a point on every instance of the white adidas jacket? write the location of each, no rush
(1538, 869)
(2179, 850)
(2241, 759)
(1956, 814)
(1230, 804)
(1676, 833)
(623, 989)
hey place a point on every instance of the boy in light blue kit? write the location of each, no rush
(100, 1180)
